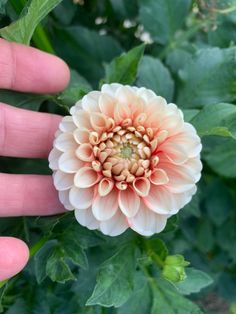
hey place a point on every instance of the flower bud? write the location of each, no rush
(174, 268)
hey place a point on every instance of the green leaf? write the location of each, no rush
(154, 75)
(41, 258)
(158, 247)
(218, 119)
(2, 6)
(221, 158)
(141, 292)
(162, 18)
(74, 251)
(189, 114)
(177, 59)
(194, 282)
(85, 50)
(167, 300)
(123, 69)
(22, 100)
(22, 30)
(209, 78)
(115, 279)
(56, 267)
(77, 88)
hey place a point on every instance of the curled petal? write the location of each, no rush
(90, 101)
(64, 199)
(65, 142)
(98, 121)
(85, 152)
(81, 198)
(146, 222)
(69, 163)
(53, 158)
(141, 186)
(86, 177)
(81, 135)
(105, 186)
(115, 225)
(63, 181)
(159, 177)
(81, 119)
(86, 218)
(129, 202)
(104, 207)
(67, 124)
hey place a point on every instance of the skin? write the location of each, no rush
(27, 134)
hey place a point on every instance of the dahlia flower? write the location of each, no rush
(125, 159)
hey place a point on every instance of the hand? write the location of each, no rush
(26, 134)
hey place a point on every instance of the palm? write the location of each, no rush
(26, 134)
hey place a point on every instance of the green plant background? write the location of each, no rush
(190, 59)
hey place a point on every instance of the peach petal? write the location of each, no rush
(98, 121)
(65, 142)
(81, 198)
(174, 152)
(64, 199)
(159, 177)
(141, 186)
(86, 177)
(104, 207)
(81, 135)
(114, 226)
(85, 152)
(69, 163)
(107, 105)
(146, 222)
(86, 218)
(67, 124)
(81, 119)
(105, 186)
(63, 181)
(129, 202)
(121, 112)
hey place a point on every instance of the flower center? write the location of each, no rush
(126, 151)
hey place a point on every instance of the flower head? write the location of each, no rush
(125, 159)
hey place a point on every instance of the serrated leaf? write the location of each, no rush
(162, 18)
(209, 78)
(74, 252)
(123, 69)
(195, 281)
(115, 279)
(57, 268)
(154, 75)
(218, 119)
(22, 30)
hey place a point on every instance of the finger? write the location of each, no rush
(14, 255)
(27, 69)
(25, 133)
(28, 195)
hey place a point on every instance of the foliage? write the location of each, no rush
(190, 59)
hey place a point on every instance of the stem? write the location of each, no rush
(34, 249)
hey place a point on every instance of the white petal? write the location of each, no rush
(129, 202)
(69, 163)
(146, 94)
(110, 88)
(85, 218)
(63, 181)
(104, 207)
(81, 198)
(90, 101)
(174, 152)
(64, 199)
(147, 222)
(65, 142)
(107, 105)
(67, 124)
(86, 177)
(53, 158)
(81, 119)
(114, 226)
